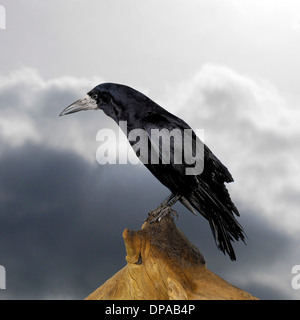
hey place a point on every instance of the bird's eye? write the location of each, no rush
(94, 95)
(105, 97)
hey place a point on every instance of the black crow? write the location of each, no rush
(203, 191)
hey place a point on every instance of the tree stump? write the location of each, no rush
(163, 265)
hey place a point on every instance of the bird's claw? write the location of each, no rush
(157, 215)
(163, 209)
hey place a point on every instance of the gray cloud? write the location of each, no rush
(62, 218)
(253, 129)
(62, 215)
(53, 195)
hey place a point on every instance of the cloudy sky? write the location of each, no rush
(228, 67)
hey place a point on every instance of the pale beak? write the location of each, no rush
(86, 103)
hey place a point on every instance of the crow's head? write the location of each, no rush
(118, 101)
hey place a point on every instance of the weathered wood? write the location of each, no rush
(162, 264)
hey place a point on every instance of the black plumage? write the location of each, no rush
(205, 192)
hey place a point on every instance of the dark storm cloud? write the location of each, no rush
(61, 221)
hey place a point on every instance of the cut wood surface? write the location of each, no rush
(163, 265)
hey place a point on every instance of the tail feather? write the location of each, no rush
(219, 211)
(225, 232)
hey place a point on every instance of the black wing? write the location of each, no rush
(205, 192)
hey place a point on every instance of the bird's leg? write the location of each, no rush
(163, 205)
(164, 208)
